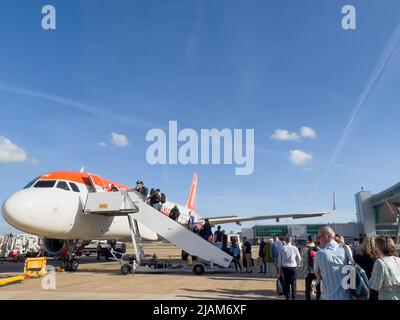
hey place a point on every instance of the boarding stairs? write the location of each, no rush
(132, 205)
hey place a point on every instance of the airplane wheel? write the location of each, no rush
(126, 269)
(73, 265)
(198, 269)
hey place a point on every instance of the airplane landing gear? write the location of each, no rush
(70, 263)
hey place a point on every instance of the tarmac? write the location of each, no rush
(102, 280)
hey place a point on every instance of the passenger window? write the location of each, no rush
(62, 185)
(45, 184)
(74, 187)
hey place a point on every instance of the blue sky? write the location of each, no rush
(131, 66)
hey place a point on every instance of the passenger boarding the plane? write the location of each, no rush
(206, 232)
(143, 190)
(158, 199)
(191, 220)
(163, 198)
(175, 213)
(224, 241)
(218, 237)
(113, 188)
(155, 199)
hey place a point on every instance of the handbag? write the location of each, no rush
(279, 287)
(361, 290)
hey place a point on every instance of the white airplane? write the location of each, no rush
(51, 206)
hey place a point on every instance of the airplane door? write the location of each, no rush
(89, 184)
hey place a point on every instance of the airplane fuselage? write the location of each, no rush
(52, 207)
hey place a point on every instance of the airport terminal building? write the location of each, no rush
(299, 231)
(377, 214)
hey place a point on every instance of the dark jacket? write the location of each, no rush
(205, 231)
(174, 213)
(261, 252)
(155, 199)
(247, 247)
(224, 242)
(218, 236)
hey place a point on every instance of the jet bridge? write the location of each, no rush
(132, 205)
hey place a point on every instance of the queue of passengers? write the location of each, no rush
(242, 258)
(156, 198)
(322, 259)
(325, 258)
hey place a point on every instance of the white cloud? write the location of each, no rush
(119, 140)
(285, 135)
(102, 144)
(307, 132)
(10, 153)
(300, 158)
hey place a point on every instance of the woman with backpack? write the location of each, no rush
(385, 277)
(365, 256)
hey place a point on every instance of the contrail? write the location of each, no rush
(373, 80)
(74, 104)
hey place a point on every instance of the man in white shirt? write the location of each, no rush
(289, 260)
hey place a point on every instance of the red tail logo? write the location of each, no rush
(191, 203)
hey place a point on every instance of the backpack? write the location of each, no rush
(163, 198)
(155, 199)
(361, 291)
(174, 214)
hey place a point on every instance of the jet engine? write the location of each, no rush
(62, 248)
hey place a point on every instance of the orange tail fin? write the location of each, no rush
(191, 203)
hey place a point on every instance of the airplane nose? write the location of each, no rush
(14, 211)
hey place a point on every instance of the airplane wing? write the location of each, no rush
(277, 217)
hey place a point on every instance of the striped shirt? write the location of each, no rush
(329, 263)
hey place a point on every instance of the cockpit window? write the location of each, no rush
(45, 184)
(30, 184)
(62, 185)
(74, 187)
